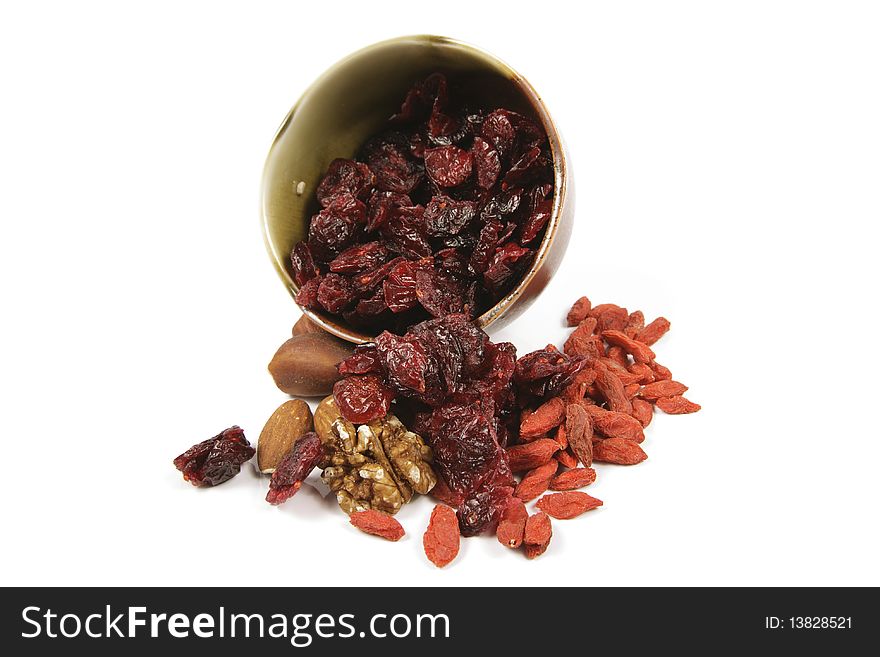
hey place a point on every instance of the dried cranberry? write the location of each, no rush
(336, 227)
(218, 459)
(504, 265)
(360, 258)
(395, 172)
(540, 209)
(303, 264)
(306, 453)
(370, 280)
(528, 167)
(362, 399)
(364, 360)
(440, 294)
(405, 232)
(448, 166)
(307, 297)
(381, 205)
(345, 177)
(335, 292)
(400, 285)
(446, 216)
(485, 247)
(487, 162)
(499, 131)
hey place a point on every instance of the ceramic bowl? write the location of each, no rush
(351, 102)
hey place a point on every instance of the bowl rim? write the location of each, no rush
(557, 152)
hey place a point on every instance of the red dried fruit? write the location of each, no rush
(619, 451)
(405, 232)
(579, 312)
(567, 505)
(618, 355)
(306, 453)
(362, 399)
(612, 424)
(512, 524)
(442, 539)
(536, 481)
(660, 373)
(611, 388)
(653, 331)
(303, 264)
(579, 431)
(634, 323)
(360, 258)
(336, 227)
(643, 411)
(561, 437)
(448, 166)
(632, 390)
(540, 210)
(658, 389)
(531, 455)
(573, 479)
(218, 459)
(345, 177)
(307, 297)
(566, 458)
(547, 416)
(644, 372)
(609, 316)
(446, 216)
(498, 130)
(640, 352)
(538, 529)
(336, 292)
(487, 162)
(378, 524)
(677, 405)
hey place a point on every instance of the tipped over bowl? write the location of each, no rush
(353, 101)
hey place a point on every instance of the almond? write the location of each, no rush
(288, 423)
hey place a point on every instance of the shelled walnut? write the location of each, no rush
(374, 466)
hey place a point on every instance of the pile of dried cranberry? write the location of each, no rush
(439, 215)
(486, 414)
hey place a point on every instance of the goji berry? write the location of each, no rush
(564, 506)
(378, 524)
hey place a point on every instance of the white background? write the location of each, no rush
(727, 159)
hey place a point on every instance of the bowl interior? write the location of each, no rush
(351, 102)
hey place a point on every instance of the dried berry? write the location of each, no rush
(653, 331)
(640, 352)
(573, 479)
(218, 459)
(677, 405)
(512, 524)
(531, 455)
(538, 529)
(619, 451)
(566, 458)
(643, 411)
(658, 389)
(579, 432)
(547, 416)
(611, 424)
(567, 505)
(345, 177)
(611, 388)
(378, 524)
(362, 398)
(536, 481)
(442, 539)
(290, 472)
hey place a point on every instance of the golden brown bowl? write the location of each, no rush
(352, 101)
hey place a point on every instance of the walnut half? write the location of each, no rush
(374, 466)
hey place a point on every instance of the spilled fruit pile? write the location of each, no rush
(442, 410)
(436, 219)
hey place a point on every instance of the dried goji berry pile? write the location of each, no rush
(440, 214)
(487, 415)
